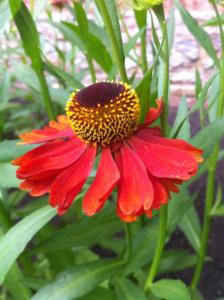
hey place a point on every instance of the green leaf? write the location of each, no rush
(28, 32)
(15, 240)
(169, 289)
(198, 32)
(10, 151)
(144, 244)
(176, 260)
(81, 234)
(214, 21)
(182, 112)
(198, 84)
(196, 106)
(111, 7)
(4, 13)
(78, 281)
(126, 290)
(99, 293)
(4, 91)
(190, 226)
(209, 136)
(218, 208)
(195, 294)
(143, 87)
(8, 176)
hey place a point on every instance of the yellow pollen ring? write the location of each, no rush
(105, 123)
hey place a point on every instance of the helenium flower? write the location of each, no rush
(103, 120)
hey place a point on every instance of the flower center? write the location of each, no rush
(104, 112)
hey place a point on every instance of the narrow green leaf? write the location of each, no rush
(209, 136)
(190, 226)
(28, 32)
(4, 91)
(78, 281)
(198, 32)
(170, 289)
(15, 240)
(176, 260)
(10, 151)
(8, 175)
(198, 84)
(182, 112)
(127, 290)
(99, 293)
(143, 87)
(197, 105)
(4, 13)
(111, 7)
(144, 244)
(81, 234)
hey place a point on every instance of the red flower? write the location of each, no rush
(102, 119)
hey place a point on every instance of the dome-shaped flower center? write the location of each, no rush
(104, 112)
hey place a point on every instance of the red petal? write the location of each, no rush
(135, 190)
(106, 178)
(160, 193)
(154, 113)
(61, 159)
(165, 162)
(148, 135)
(72, 179)
(126, 218)
(55, 130)
(48, 149)
(37, 187)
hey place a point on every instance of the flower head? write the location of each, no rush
(103, 119)
(144, 4)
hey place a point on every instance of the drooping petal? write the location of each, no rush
(160, 193)
(61, 159)
(55, 130)
(47, 149)
(126, 218)
(106, 178)
(37, 188)
(148, 135)
(134, 188)
(72, 179)
(154, 113)
(165, 162)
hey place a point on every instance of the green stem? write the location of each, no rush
(91, 67)
(212, 165)
(128, 236)
(45, 94)
(159, 10)
(159, 248)
(116, 49)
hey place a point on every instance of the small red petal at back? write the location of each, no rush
(154, 113)
(55, 130)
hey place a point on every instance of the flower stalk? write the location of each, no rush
(159, 11)
(212, 166)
